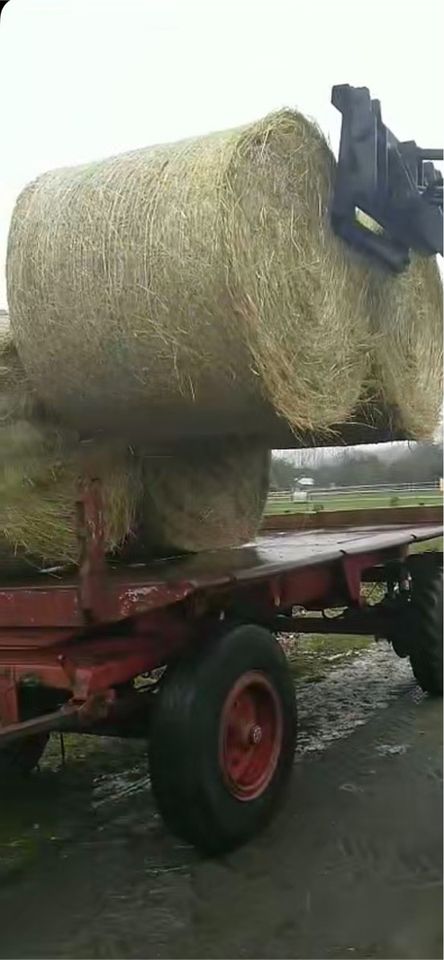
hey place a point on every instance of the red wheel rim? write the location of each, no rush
(250, 736)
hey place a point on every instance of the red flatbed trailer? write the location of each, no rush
(221, 718)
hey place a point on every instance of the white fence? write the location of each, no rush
(323, 493)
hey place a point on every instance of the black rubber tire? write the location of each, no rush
(426, 624)
(187, 781)
(21, 756)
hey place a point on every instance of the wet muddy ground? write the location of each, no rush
(350, 868)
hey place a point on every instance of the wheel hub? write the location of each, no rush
(250, 736)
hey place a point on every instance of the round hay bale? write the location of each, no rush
(205, 500)
(180, 289)
(407, 313)
(190, 501)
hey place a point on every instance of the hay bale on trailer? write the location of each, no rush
(204, 500)
(177, 288)
(186, 502)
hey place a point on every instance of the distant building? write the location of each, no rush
(301, 488)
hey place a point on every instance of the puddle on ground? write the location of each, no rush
(346, 698)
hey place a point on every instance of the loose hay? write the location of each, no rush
(181, 283)
(205, 500)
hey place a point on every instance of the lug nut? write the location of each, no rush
(256, 734)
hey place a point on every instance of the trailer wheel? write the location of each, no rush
(222, 739)
(21, 756)
(425, 625)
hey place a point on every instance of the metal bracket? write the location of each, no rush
(393, 184)
(9, 709)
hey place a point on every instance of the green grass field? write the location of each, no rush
(428, 546)
(355, 502)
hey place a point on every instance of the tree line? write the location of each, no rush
(417, 463)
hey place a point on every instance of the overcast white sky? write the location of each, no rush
(88, 78)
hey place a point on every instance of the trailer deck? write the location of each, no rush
(53, 600)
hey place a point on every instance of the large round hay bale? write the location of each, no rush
(407, 313)
(192, 288)
(204, 500)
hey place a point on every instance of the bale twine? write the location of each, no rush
(204, 500)
(176, 287)
(407, 313)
